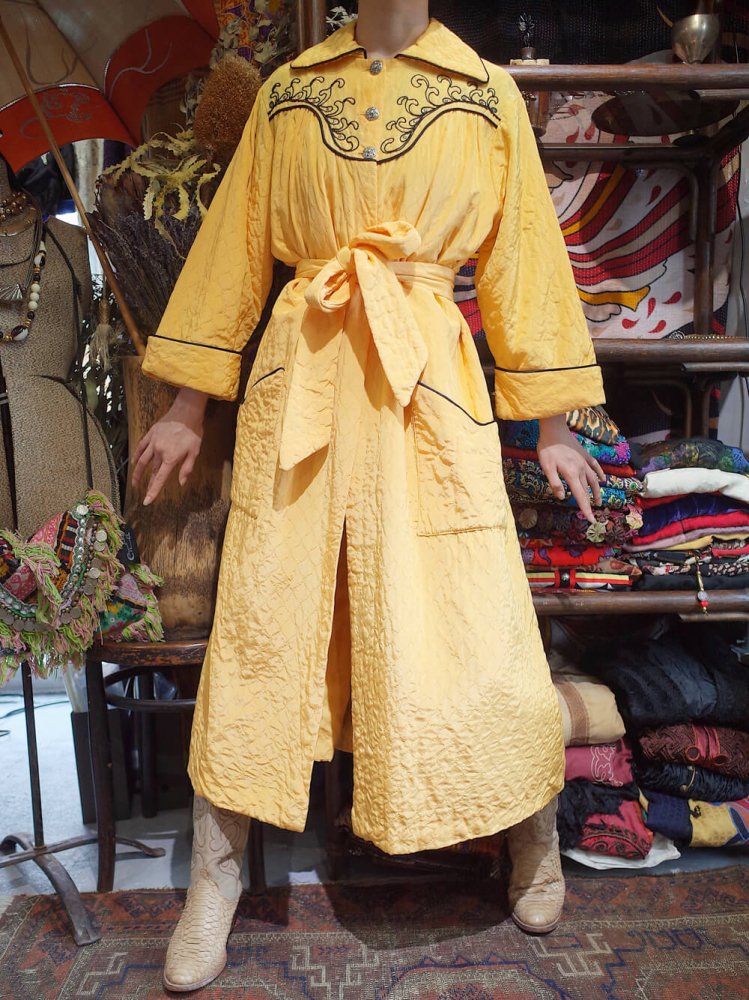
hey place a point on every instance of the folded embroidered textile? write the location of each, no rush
(673, 482)
(588, 708)
(723, 750)
(679, 532)
(667, 815)
(682, 582)
(593, 422)
(525, 481)
(687, 781)
(719, 824)
(580, 799)
(602, 763)
(564, 556)
(621, 834)
(582, 577)
(549, 524)
(693, 823)
(686, 508)
(66, 585)
(615, 827)
(681, 677)
(609, 468)
(667, 562)
(687, 453)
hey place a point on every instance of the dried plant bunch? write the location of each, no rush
(228, 96)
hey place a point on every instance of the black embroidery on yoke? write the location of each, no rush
(422, 109)
(319, 99)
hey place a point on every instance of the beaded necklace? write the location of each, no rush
(28, 293)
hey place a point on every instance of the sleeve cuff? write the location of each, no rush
(194, 366)
(534, 395)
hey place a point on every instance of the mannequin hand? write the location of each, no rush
(562, 457)
(174, 441)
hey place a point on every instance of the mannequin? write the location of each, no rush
(372, 592)
(45, 416)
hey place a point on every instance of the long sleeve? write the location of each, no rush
(535, 326)
(219, 296)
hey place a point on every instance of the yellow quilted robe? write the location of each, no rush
(372, 594)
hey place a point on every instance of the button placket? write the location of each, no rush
(371, 113)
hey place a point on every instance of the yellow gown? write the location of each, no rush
(367, 420)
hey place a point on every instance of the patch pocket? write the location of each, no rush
(458, 466)
(256, 452)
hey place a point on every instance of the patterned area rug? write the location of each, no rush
(678, 937)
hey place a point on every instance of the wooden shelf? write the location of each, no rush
(723, 603)
(632, 76)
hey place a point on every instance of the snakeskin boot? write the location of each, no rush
(536, 889)
(197, 951)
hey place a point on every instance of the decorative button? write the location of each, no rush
(372, 114)
(370, 153)
(376, 67)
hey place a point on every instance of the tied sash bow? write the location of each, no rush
(374, 264)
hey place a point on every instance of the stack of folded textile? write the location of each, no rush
(684, 698)
(695, 531)
(599, 811)
(561, 550)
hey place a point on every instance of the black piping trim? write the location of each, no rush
(386, 158)
(267, 375)
(192, 343)
(479, 423)
(446, 69)
(540, 371)
(325, 62)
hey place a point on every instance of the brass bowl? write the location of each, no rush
(693, 38)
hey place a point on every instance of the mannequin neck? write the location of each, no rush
(5, 189)
(386, 27)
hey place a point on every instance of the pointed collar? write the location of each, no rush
(437, 47)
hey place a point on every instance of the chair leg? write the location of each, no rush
(149, 789)
(101, 765)
(256, 854)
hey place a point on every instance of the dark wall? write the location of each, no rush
(575, 31)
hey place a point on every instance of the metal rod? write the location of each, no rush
(33, 753)
(127, 317)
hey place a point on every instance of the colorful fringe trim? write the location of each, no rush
(57, 588)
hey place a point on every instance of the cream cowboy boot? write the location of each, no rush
(536, 889)
(197, 951)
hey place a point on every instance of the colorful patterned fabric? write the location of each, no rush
(558, 556)
(628, 232)
(525, 481)
(594, 423)
(666, 562)
(55, 587)
(547, 524)
(695, 452)
(725, 751)
(694, 823)
(523, 435)
(580, 578)
(611, 470)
